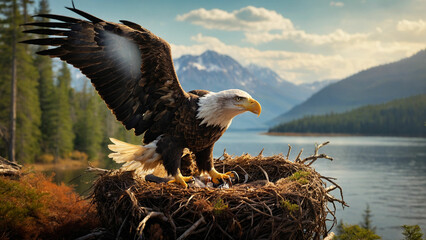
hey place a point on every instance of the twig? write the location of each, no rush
(224, 154)
(91, 168)
(331, 188)
(92, 235)
(341, 191)
(298, 156)
(172, 223)
(208, 232)
(121, 227)
(261, 152)
(246, 176)
(142, 224)
(264, 172)
(330, 236)
(95, 169)
(317, 147)
(192, 228)
(314, 157)
(288, 152)
(224, 232)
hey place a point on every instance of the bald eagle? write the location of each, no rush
(133, 72)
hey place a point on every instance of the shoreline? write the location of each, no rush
(296, 134)
(63, 164)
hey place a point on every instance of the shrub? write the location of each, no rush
(349, 232)
(35, 208)
(412, 232)
(46, 158)
(20, 207)
(79, 156)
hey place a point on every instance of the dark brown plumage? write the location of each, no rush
(133, 72)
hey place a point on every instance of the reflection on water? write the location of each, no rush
(80, 180)
(388, 173)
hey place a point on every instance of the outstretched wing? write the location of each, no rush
(131, 68)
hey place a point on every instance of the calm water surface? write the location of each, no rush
(388, 173)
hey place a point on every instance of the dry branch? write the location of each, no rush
(8, 168)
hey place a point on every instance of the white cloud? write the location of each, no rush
(400, 31)
(245, 19)
(336, 4)
(338, 36)
(301, 67)
(416, 27)
(257, 24)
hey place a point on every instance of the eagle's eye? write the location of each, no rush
(238, 98)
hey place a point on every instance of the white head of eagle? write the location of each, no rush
(132, 70)
(218, 109)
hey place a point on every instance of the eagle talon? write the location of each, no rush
(221, 178)
(234, 176)
(181, 180)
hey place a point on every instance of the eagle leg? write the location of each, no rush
(218, 178)
(181, 180)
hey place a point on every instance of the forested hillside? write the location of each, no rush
(53, 120)
(402, 117)
(375, 85)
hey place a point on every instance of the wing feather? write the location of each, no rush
(131, 68)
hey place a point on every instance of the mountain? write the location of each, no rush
(318, 85)
(401, 117)
(293, 93)
(215, 72)
(380, 84)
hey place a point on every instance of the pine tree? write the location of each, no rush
(64, 126)
(412, 232)
(46, 93)
(27, 101)
(94, 125)
(350, 232)
(367, 223)
(89, 123)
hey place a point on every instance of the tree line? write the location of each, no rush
(402, 117)
(52, 118)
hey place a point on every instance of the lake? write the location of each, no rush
(388, 173)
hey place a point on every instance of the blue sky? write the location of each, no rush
(302, 40)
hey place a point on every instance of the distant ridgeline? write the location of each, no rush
(376, 85)
(402, 117)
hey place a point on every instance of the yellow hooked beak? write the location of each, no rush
(251, 105)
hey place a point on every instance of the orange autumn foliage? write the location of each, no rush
(34, 207)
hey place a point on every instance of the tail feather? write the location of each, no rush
(124, 152)
(134, 157)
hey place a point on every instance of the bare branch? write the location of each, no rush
(298, 156)
(92, 235)
(192, 228)
(288, 152)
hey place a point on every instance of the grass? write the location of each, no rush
(301, 177)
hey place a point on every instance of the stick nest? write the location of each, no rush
(275, 199)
